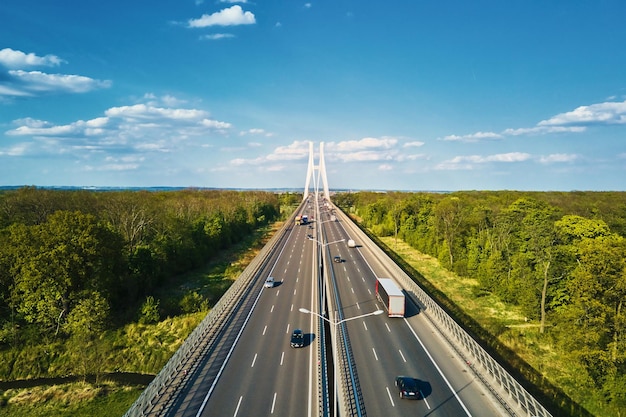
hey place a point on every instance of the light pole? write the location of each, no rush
(335, 323)
(322, 246)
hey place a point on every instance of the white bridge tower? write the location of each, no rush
(321, 173)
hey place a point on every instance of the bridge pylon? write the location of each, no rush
(321, 173)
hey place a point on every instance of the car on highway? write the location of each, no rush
(269, 282)
(407, 387)
(297, 339)
(337, 259)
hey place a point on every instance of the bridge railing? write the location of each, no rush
(493, 375)
(170, 379)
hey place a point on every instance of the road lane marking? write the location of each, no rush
(424, 398)
(387, 326)
(403, 358)
(253, 361)
(273, 403)
(438, 369)
(358, 306)
(291, 308)
(272, 309)
(375, 355)
(277, 292)
(282, 357)
(238, 405)
(390, 397)
(294, 291)
(287, 331)
(264, 329)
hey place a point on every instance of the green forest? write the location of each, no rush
(560, 257)
(76, 265)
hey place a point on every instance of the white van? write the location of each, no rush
(269, 282)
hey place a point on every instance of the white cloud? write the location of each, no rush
(11, 58)
(474, 137)
(601, 113)
(575, 121)
(231, 16)
(37, 81)
(558, 157)
(385, 167)
(363, 144)
(470, 161)
(416, 144)
(217, 36)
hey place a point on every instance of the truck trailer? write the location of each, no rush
(390, 295)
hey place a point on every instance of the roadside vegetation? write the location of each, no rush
(540, 278)
(99, 289)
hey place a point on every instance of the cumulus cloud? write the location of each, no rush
(575, 121)
(13, 59)
(231, 16)
(124, 131)
(17, 82)
(599, 113)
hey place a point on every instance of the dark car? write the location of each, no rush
(297, 338)
(407, 387)
(337, 259)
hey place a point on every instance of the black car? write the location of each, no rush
(407, 387)
(337, 259)
(297, 338)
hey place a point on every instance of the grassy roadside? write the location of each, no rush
(505, 323)
(134, 348)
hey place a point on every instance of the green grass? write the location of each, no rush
(69, 400)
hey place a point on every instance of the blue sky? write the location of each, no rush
(405, 95)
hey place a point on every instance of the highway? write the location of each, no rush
(261, 375)
(385, 347)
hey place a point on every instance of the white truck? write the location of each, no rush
(390, 295)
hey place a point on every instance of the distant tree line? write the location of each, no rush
(73, 261)
(559, 256)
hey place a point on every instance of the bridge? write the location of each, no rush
(239, 362)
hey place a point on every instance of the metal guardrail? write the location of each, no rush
(165, 387)
(493, 375)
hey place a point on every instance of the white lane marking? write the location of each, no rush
(282, 357)
(365, 326)
(264, 329)
(253, 361)
(390, 397)
(273, 403)
(238, 405)
(291, 308)
(294, 291)
(438, 369)
(272, 309)
(375, 355)
(387, 326)
(368, 290)
(424, 398)
(287, 330)
(403, 358)
(352, 290)
(358, 306)
(277, 292)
